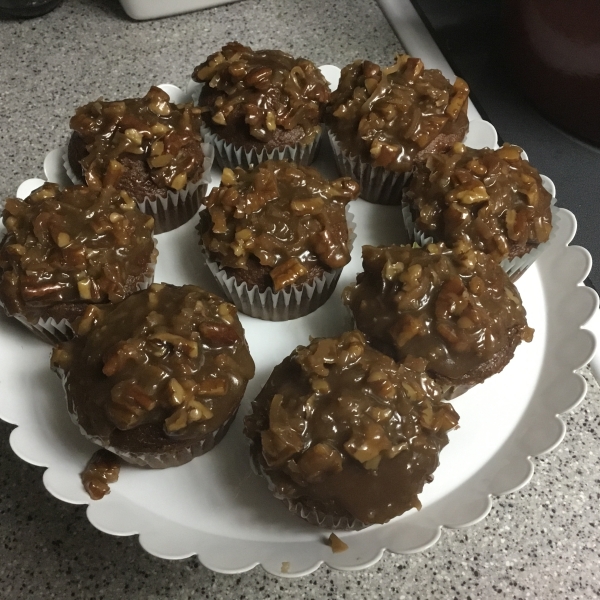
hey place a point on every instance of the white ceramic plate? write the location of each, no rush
(217, 508)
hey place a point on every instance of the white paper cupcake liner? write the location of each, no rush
(514, 267)
(378, 185)
(285, 305)
(176, 207)
(49, 330)
(313, 516)
(67, 167)
(231, 156)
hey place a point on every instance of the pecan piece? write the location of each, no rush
(218, 334)
(103, 468)
(287, 273)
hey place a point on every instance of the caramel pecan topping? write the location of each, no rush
(76, 245)
(164, 136)
(390, 115)
(102, 469)
(262, 91)
(346, 445)
(158, 359)
(493, 199)
(288, 217)
(457, 309)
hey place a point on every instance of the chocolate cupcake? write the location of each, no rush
(146, 147)
(382, 120)
(260, 105)
(457, 309)
(494, 199)
(276, 237)
(158, 378)
(345, 436)
(67, 249)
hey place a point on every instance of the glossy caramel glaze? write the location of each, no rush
(167, 366)
(285, 217)
(74, 246)
(493, 199)
(139, 145)
(456, 309)
(390, 116)
(347, 432)
(262, 97)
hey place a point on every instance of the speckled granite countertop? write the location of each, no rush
(540, 542)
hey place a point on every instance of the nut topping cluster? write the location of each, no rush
(286, 217)
(141, 142)
(172, 358)
(456, 309)
(337, 424)
(492, 198)
(262, 92)
(391, 115)
(102, 470)
(76, 245)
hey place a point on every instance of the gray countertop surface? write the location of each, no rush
(540, 542)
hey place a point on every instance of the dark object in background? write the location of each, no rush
(472, 38)
(555, 52)
(26, 9)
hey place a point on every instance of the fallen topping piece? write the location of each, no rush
(336, 544)
(102, 469)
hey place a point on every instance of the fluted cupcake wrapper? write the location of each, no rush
(514, 267)
(174, 208)
(67, 167)
(378, 185)
(49, 330)
(52, 331)
(230, 155)
(312, 515)
(285, 305)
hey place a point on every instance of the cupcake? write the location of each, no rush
(260, 105)
(276, 237)
(146, 147)
(67, 249)
(456, 309)
(494, 199)
(345, 436)
(158, 378)
(382, 120)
